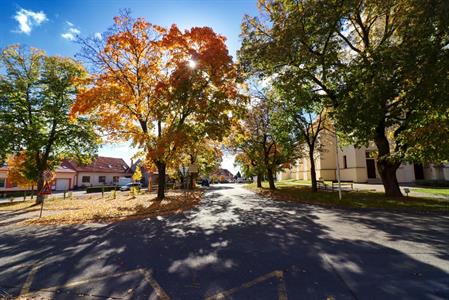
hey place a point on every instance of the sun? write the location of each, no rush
(192, 64)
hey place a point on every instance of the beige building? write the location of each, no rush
(64, 180)
(358, 165)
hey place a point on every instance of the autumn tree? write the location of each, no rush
(151, 85)
(20, 172)
(248, 154)
(137, 175)
(36, 93)
(202, 153)
(383, 66)
(249, 166)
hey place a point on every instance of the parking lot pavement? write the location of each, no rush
(235, 245)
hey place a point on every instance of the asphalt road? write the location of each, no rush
(235, 245)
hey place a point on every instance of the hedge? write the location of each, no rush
(98, 189)
(434, 183)
(6, 194)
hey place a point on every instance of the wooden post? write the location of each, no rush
(42, 207)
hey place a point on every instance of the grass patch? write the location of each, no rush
(107, 210)
(434, 191)
(287, 191)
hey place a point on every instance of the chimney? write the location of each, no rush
(132, 163)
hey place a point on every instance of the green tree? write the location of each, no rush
(36, 93)
(301, 112)
(262, 148)
(372, 61)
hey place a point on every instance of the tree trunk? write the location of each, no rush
(161, 180)
(40, 187)
(387, 169)
(270, 176)
(389, 180)
(259, 180)
(312, 171)
(192, 178)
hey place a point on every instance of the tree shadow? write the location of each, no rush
(221, 245)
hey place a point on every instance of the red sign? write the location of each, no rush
(46, 190)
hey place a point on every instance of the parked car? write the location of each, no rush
(241, 180)
(204, 182)
(129, 185)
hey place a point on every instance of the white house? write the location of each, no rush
(101, 171)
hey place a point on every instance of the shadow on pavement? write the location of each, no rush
(229, 240)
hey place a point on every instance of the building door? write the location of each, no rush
(419, 171)
(62, 184)
(371, 168)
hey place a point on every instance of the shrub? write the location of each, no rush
(6, 194)
(99, 189)
(435, 183)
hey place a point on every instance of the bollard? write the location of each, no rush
(64, 194)
(102, 192)
(24, 195)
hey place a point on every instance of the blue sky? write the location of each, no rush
(51, 25)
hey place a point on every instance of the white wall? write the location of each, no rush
(94, 178)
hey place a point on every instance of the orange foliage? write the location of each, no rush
(17, 169)
(146, 90)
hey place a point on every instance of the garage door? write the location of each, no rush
(62, 184)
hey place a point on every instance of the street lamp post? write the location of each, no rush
(338, 166)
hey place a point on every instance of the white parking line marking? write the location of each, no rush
(282, 292)
(146, 275)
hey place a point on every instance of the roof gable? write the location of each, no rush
(100, 164)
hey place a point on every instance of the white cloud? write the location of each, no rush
(69, 23)
(71, 33)
(98, 35)
(28, 19)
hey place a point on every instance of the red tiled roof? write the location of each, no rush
(100, 164)
(60, 169)
(223, 172)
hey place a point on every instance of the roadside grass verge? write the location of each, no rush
(434, 191)
(288, 191)
(96, 209)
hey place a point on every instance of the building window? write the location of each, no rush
(85, 179)
(115, 179)
(2, 182)
(101, 179)
(345, 162)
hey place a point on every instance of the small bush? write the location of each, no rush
(6, 194)
(99, 189)
(434, 183)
